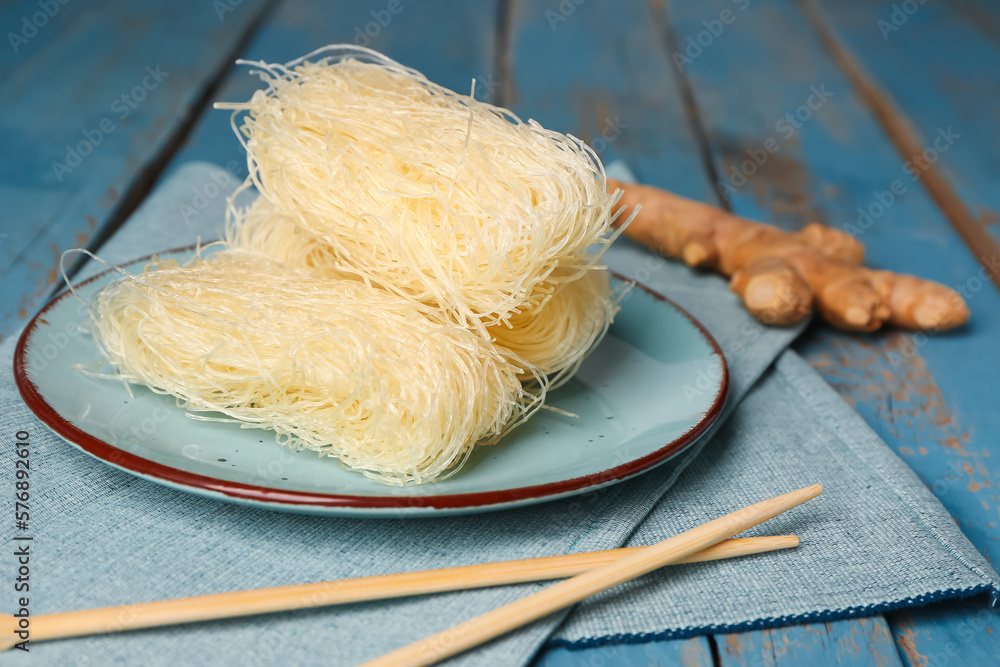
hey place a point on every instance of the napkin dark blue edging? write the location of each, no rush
(779, 621)
(831, 411)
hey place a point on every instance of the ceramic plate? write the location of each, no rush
(651, 389)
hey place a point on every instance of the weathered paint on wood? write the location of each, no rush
(744, 91)
(949, 634)
(300, 27)
(929, 396)
(91, 102)
(601, 73)
(581, 70)
(939, 66)
(694, 652)
(861, 642)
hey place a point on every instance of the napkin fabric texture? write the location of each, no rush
(876, 539)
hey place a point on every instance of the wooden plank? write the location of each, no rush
(30, 28)
(936, 63)
(665, 165)
(946, 634)
(745, 89)
(860, 642)
(927, 75)
(300, 27)
(694, 652)
(927, 395)
(984, 15)
(88, 105)
(600, 73)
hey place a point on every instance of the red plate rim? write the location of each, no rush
(237, 490)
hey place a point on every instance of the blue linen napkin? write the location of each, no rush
(877, 537)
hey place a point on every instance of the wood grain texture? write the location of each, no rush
(694, 652)
(948, 634)
(600, 73)
(745, 91)
(927, 395)
(88, 104)
(929, 105)
(937, 63)
(581, 71)
(864, 642)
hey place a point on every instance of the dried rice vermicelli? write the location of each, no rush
(422, 191)
(418, 269)
(330, 365)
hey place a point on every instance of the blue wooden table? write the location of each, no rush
(99, 103)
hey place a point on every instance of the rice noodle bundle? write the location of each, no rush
(330, 365)
(424, 192)
(418, 269)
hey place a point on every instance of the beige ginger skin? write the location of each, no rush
(782, 276)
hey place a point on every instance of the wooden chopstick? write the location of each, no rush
(302, 596)
(504, 619)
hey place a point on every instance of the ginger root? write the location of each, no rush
(781, 276)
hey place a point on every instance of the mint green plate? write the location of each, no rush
(651, 389)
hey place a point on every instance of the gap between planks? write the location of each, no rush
(670, 43)
(901, 133)
(502, 53)
(668, 39)
(140, 188)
